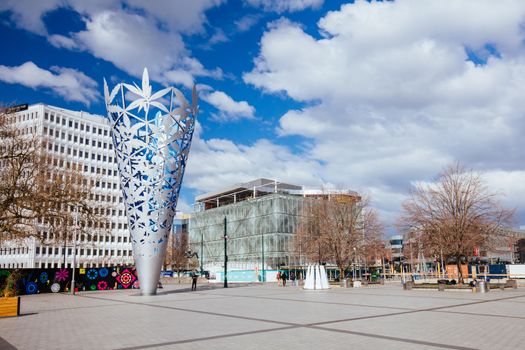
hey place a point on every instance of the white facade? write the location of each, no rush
(84, 139)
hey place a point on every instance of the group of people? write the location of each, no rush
(282, 277)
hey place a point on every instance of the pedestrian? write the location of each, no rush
(278, 278)
(283, 276)
(292, 278)
(194, 281)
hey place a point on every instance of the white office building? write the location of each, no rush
(84, 139)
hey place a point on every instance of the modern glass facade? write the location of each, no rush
(259, 230)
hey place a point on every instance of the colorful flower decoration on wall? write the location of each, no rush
(62, 275)
(126, 278)
(102, 285)
(92, 274)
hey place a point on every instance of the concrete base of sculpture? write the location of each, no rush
(316, 278)
(148, 272)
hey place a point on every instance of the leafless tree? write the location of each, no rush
(454, 215)
(339, 229)
(179, 258)
(38, 190)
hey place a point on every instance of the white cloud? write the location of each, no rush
(218, 37)
(28, 14)
(229, 109)
(281, 6)
(131, 42)
(68, 83)
(216, 163)
(131, 34)
(62, 41)
(391, 95)
(245, 23)
(180, 16)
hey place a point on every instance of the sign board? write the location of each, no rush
(17, 108)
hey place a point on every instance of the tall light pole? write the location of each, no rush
(355, 261)
(202, 252)
(263, 278)
(74, 251)
(225, 255)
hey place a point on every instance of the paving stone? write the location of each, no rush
(269, 316)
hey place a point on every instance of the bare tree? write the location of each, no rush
(180, 253)
(38, 190)
(454, 215)
(337, 230)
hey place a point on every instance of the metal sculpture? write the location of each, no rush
(151, 135)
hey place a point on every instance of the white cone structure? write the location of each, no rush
(152, 141)
(316, 278)
(309, 281)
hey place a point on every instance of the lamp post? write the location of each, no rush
(74, 251)
(355, 262)
(225, 255)
(202, 252)
(263, 276)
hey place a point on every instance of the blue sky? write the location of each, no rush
(371, 96)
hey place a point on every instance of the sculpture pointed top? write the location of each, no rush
(146, 87)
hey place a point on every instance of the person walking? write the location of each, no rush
(292, 278)
(278, 278)
(194, 278)
(283, 276)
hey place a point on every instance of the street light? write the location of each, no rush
(355, 262)
(225, 255)
(75, 228)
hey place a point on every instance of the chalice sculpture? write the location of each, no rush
(151, 134)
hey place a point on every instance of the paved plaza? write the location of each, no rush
(269, 317)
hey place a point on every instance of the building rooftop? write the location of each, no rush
(240, 191)
(257, 188)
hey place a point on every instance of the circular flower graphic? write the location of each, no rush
(103, 272)
(31, 288)
(92, 274)
(126, 278)
(93, 287)
(61, 275)
(102, 285)
(55, 287)
(43, 277)
(114, 274)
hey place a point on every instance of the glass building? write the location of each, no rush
(261, 219)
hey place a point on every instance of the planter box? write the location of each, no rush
(9, 306)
